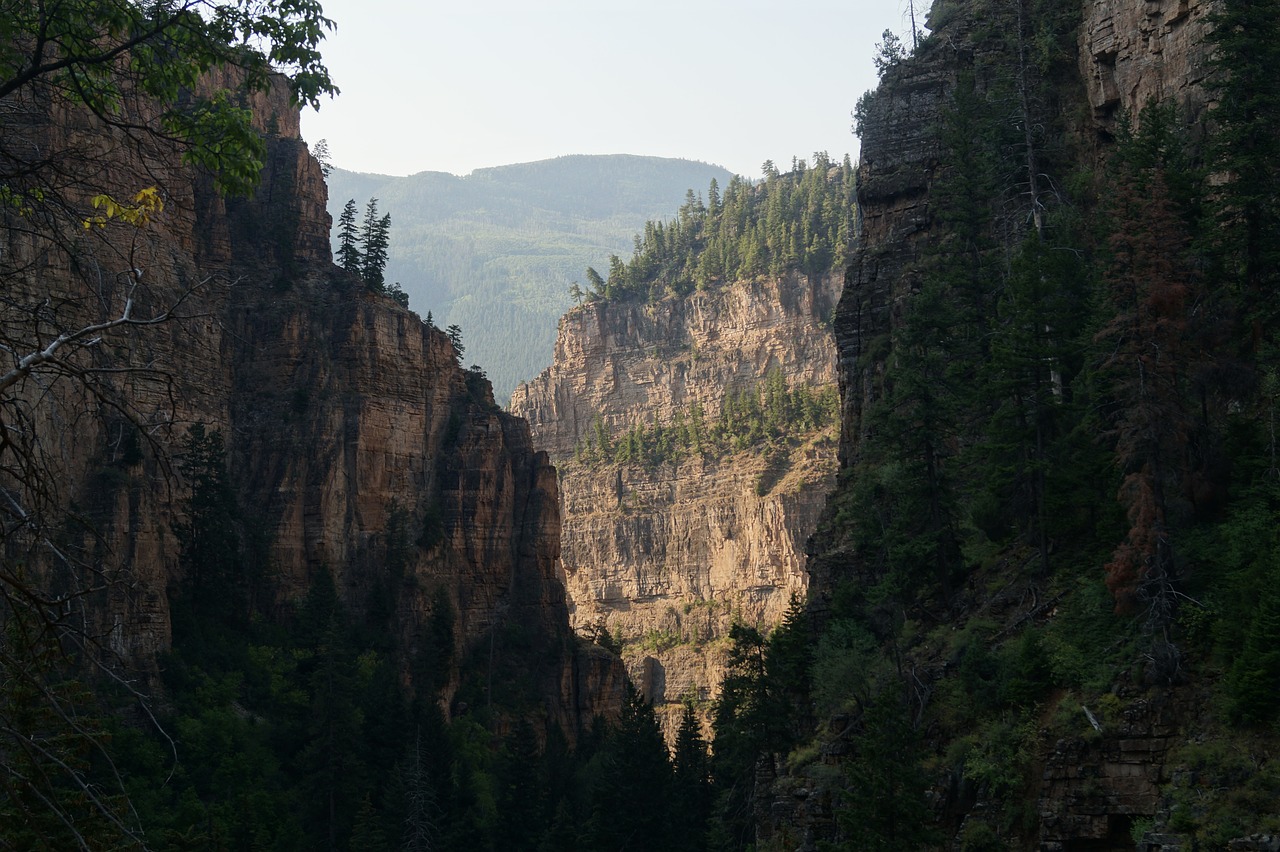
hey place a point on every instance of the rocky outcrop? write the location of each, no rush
(632, 362)
(1096, 787)
(667, 557)
(339, 409)
(1135, 52)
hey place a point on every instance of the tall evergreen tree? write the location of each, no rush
(908, 504)
(348, 256)
(1150, 352)
(691, 785)
(333, 759)
(521, 790)
(630, 801)
(884, 808)
(375, 238)
(210, 535)
(1246, 149)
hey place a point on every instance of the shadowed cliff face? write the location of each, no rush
(336, 406)
(668, 556)
(1092, 788)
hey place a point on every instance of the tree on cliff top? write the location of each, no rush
(375, 237)
(348, 254)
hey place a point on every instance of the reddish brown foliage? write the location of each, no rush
(1152, 352)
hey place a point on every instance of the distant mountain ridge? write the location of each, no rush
(496, 251)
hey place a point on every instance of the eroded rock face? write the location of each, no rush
(668, 557)
(629, 362)
(337, 406)
(1135, 52)
(1095, 788)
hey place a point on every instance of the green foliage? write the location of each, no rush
(1153, 350)
(1227, 791)
(768, 415)
(348, 252)
(1245, 150)
(845, 662)
(96, 55)
(765, 681)
(802, 220)
(52, 735)
(364, 250)
(883, 805)
(889, 53)
(631, 797)
(1034, 369)
(690, 806)
(213, 534)
(375, 237)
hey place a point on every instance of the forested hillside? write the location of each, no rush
(496, 252)
(1043, 611)
(802, 220)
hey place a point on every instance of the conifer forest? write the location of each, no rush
(278, 572)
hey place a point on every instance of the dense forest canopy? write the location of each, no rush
(1072, 402)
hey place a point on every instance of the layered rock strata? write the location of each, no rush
(1132, 53)
(338, 409)
(668, 557)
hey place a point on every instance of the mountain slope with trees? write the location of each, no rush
(496, 252)
(1041, 597)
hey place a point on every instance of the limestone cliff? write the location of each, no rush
(667, 556)
(337, 406)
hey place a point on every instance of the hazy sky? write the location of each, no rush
(463, 85)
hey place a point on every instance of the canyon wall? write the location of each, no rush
(667, 557)
(1095, 787)
(339, 409)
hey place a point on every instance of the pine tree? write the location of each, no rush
(375, 237)
(1255, 675)
(455, 337)
(595, 283)
(321, 154)
(521, 789)
(367, 833)
(1246, 146)
(422, 812)
(691, 784)
(332, 761)
(348, 256)
(1027, 376)
(908, 505)
(210, 535)
(884, 808)
(630, 802)
(1150, 350)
